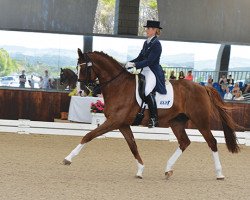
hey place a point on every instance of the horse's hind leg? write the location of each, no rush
(128, 135)
(212, 143)
(178, 127)
(107, 126)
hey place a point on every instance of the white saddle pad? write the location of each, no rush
(162, 100)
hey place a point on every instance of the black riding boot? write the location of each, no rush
(153, 121)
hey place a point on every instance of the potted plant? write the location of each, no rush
(96, 110)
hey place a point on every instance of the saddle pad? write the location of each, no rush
(162, 100)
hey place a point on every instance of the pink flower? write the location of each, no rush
(97, 107)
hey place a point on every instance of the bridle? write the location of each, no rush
(89, 64)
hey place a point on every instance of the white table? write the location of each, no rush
(79, 108)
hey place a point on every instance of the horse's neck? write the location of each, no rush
(106, 68)
(72, 76)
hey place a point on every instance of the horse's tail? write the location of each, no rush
(228, 124)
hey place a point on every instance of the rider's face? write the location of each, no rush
(150, 32)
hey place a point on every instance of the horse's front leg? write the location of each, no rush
(128, 135)
(107, 126)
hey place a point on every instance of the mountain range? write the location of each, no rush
(63, 57)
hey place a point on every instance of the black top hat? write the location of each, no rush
(153, 24)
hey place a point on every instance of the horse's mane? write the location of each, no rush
(101, 53)
(68, 69)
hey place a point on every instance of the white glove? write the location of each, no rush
(132, 70)
(129, 65)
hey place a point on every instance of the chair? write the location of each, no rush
(240, 84)
(216, 85)
(202, 83)
(231, 88)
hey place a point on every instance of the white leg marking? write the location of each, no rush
(217, 164)
(75, 152)
(140, 169)
(173, 159)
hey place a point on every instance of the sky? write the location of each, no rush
(201, 51)
(40, 40)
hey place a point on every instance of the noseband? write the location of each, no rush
(88, 66)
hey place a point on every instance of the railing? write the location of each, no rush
(202, 76)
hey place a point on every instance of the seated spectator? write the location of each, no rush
(181, 75)
(246, 89)
(172, 76)
(189, 76)
(238, 96)
(247, 80)
(230, 80)
(228, 95)
(236, 89)
(210, 81)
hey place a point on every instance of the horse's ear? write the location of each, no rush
(79, 52)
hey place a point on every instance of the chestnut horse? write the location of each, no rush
(191, 102)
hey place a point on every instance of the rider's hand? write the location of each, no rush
(129, 65)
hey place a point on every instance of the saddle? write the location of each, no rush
(163, 101)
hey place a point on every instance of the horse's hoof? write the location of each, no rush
(168, 174)
(66, 162)
(138, 176)
(221, 178)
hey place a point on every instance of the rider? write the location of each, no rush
(148, 60)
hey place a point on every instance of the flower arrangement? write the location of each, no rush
(97, 107)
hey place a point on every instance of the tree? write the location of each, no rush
(104, 18)
(148, 11)
(105, 15)
(7, 65)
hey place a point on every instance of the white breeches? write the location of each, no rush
(150, 80)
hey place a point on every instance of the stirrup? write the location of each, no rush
(153, 122)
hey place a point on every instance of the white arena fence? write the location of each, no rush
(23, 126)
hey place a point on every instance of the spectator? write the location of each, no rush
(189, 76)
(181, 75)
(97, 89)
(31, 81)
(40, 82)
(223, 82)
(228, 95)
(236, 89)
(172, 76)
(230, 80)
(246, 89)
(22, 79)
(47, 81)
(210, 81)
(238, 96)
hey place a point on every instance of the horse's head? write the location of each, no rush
(85, 68)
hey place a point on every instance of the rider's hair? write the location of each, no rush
(158, 32)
